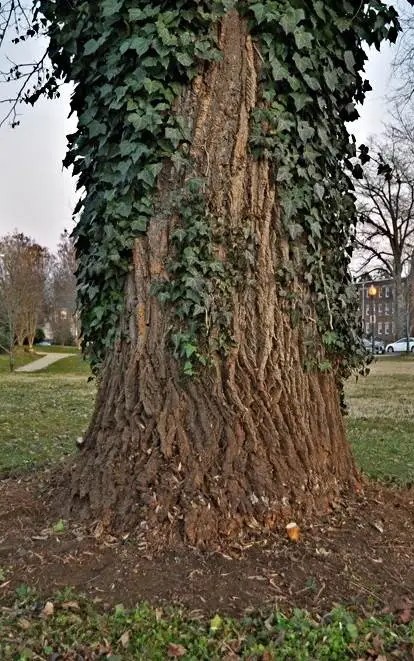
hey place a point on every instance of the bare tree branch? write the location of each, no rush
(385, 234)
(24, 81)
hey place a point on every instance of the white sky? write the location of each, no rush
(37, 196)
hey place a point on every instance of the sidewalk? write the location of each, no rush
(43, 362)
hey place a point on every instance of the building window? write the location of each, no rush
(379, 308)
(380, 328)
(387, 328)
(387, 292)
(367, 312)
(387, 308)
(367, 327)
(379, 292)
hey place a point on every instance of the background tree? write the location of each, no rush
(385, 234)
(24, 266)
(63, 314)
(9, 304)
(36, 267)
(404, 59)
(400, 130)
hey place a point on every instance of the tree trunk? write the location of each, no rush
(254, 440)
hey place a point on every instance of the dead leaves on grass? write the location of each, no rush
(176, 651)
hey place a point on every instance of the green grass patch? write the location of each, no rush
(21, 358)
(78, 629)
(381, 421)
(41, 417)
(56, 348)
(384, 448)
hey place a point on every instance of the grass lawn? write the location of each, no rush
(56, 348)
(21, 358)
(78, 628)
(381, 421)
(41, 415)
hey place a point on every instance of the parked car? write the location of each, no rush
(400, 345)
(379, 346)
(44, 343)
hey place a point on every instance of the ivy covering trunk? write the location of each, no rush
(213, 251)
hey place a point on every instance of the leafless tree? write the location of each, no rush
(404, 59)
(22, 81)
(63, 313)
(24, 266)
(385, 235)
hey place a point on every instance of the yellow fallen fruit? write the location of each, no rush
(293, 531)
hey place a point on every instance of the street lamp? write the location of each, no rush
(372, 292)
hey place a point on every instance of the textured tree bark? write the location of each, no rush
(254, 440)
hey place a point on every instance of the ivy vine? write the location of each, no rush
(313, 57)
(129, 61)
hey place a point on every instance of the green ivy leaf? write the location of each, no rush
(185, 59)
(291, 18)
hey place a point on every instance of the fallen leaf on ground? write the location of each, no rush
(267, 656)
(59, 526)
(71, 605)
(176, 651)
(124, 639)
(48, 610)
(406, 615)
(216, 623)
(378, 526)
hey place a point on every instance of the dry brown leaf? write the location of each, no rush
(378, 644)
(406, 615)
(124, 639)
(176, 651)
(48, 609)
(267, 656)
(99, 529)
(71, 606)
(378, 526)
(24, 624)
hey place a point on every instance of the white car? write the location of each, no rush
(400, 345)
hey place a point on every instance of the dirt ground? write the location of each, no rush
(361, 554)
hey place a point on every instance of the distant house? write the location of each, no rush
(377, 314)
(62, 327)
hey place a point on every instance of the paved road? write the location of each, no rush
(44, 362)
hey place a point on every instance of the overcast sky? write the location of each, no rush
(37, 195)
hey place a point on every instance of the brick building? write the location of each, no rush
(377, 313)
